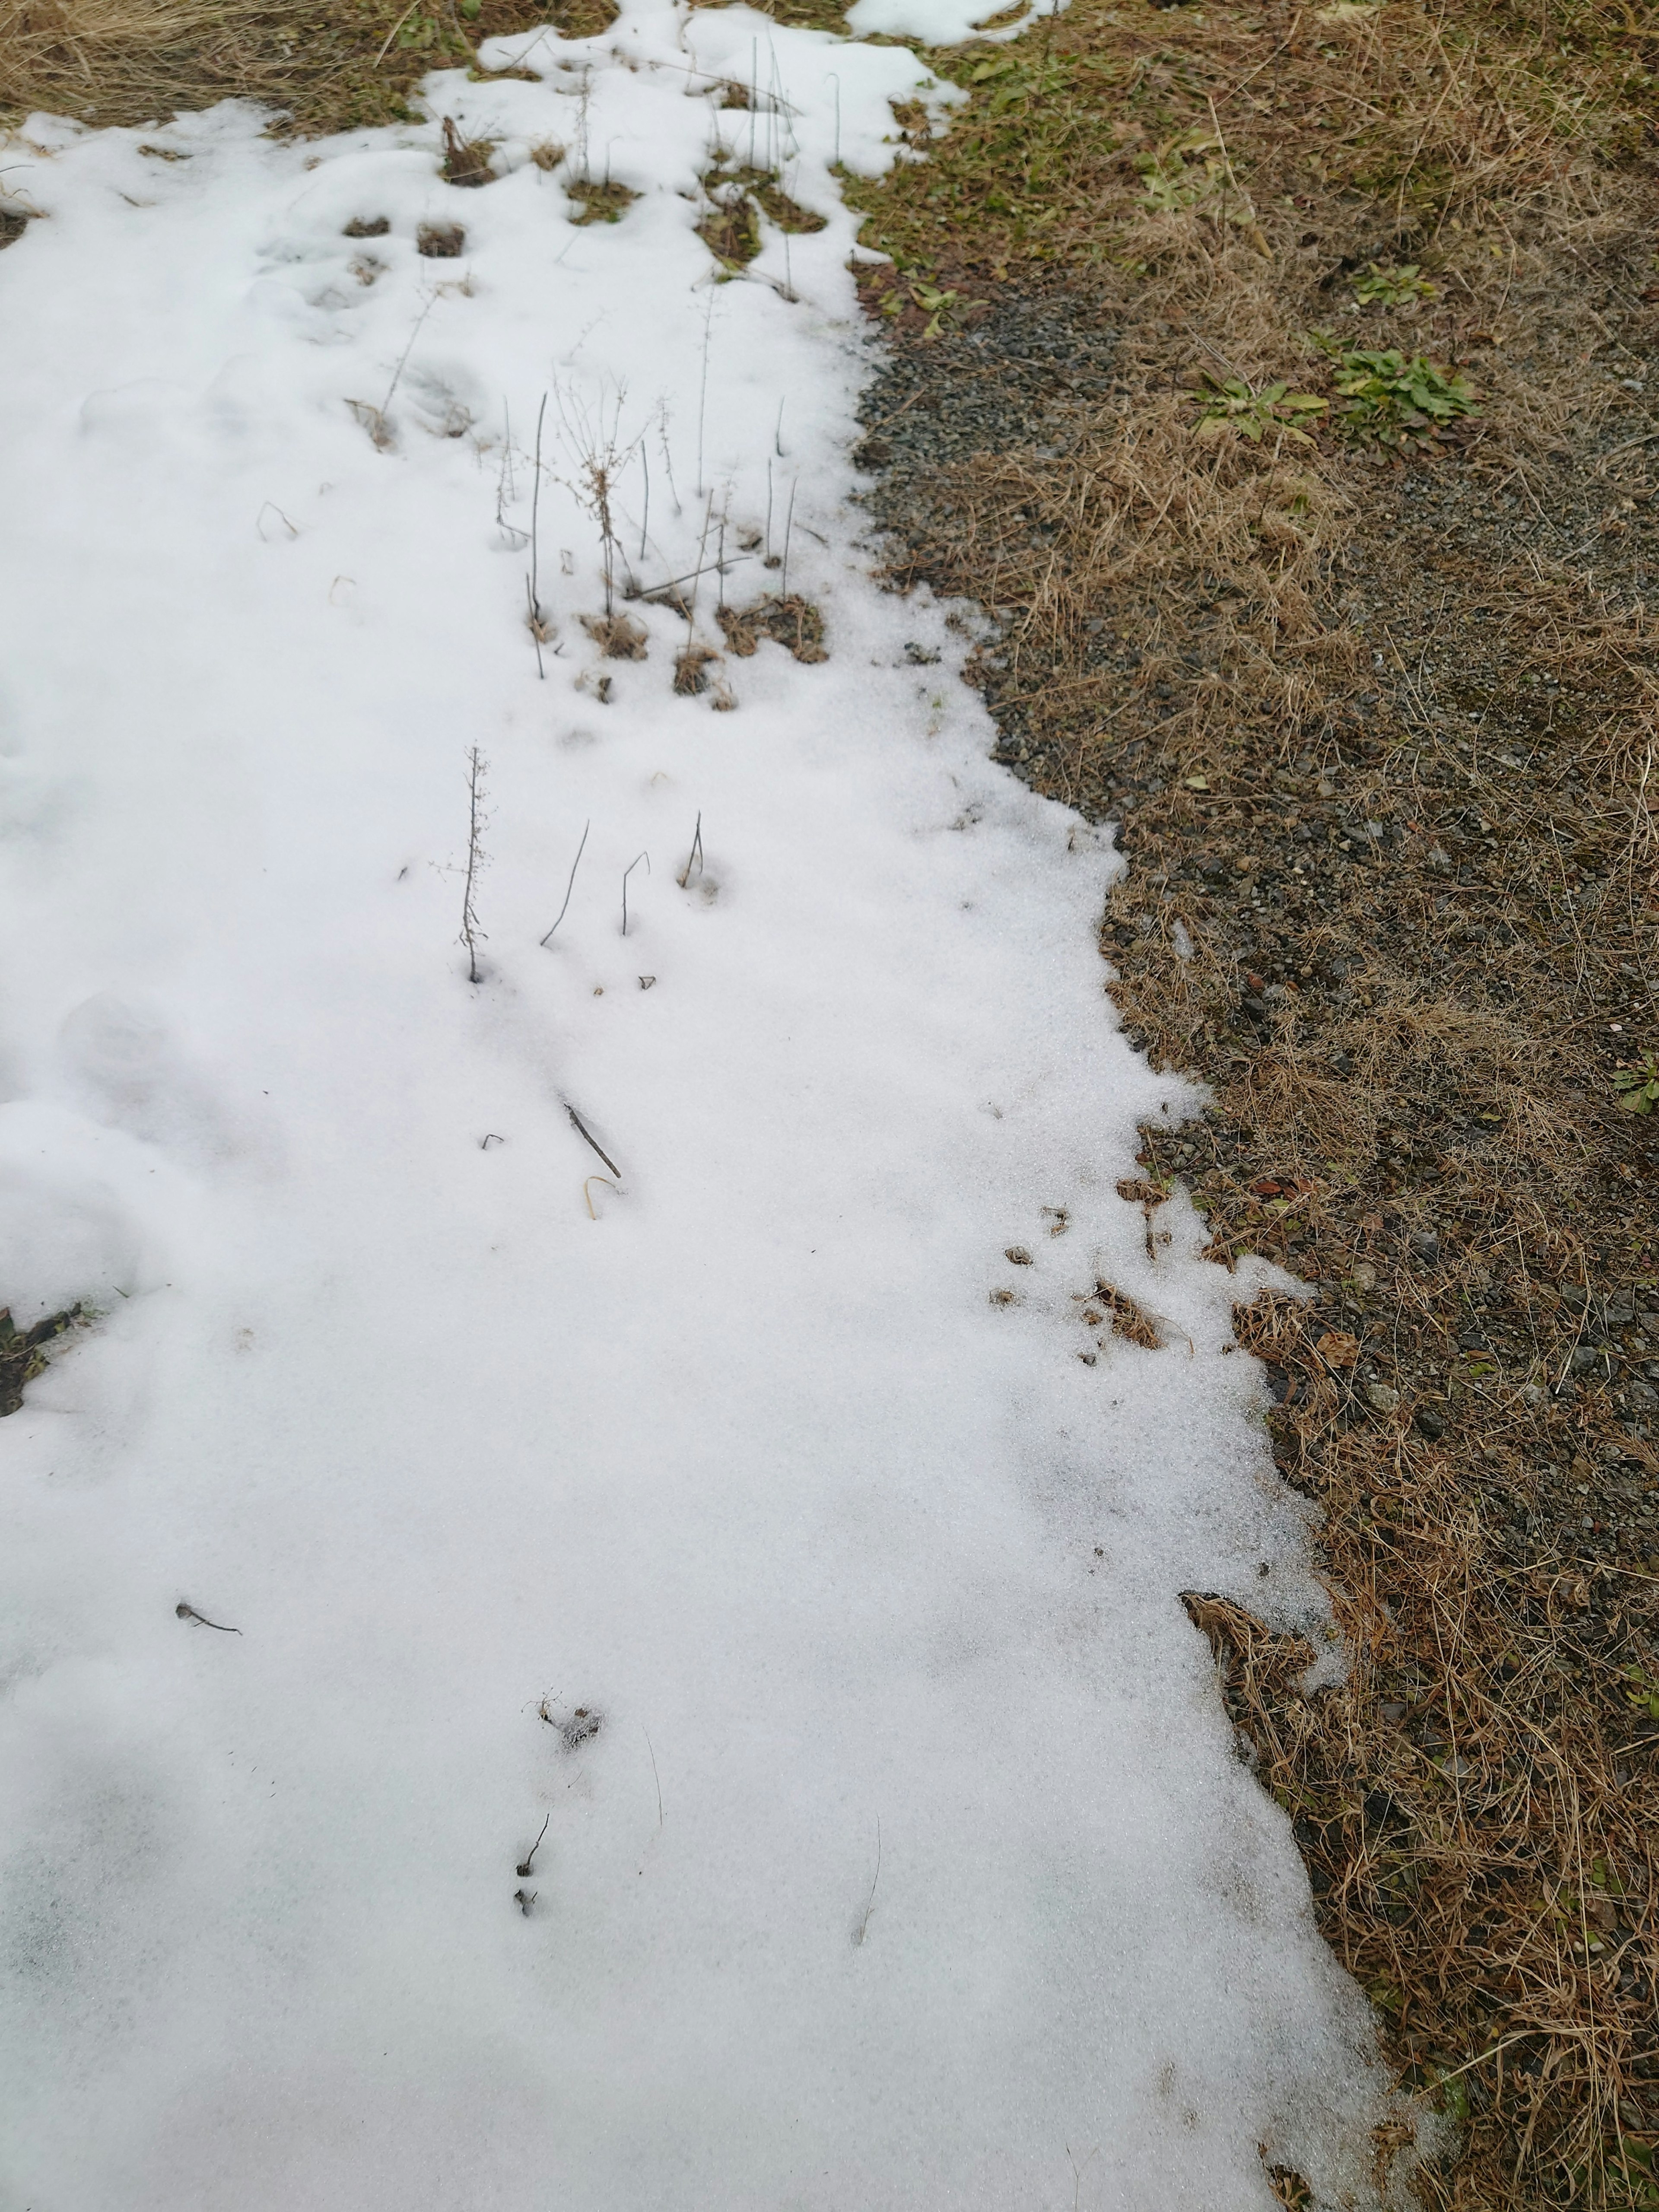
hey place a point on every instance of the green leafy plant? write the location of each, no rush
(1394, 285)
(1233, 406)
(1643, 1694)
(939, 307)
(1625, 2162)
(1639, 1086)
(1015, 77)
(1190, 170)
(1385, 399)
(423, 32)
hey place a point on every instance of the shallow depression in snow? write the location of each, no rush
(598, 1400)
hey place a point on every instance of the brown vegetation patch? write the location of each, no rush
(738, 198)
(601, 202)
(466, 160)
(582, 19)
(441, 241)
(324, 68)
(1380, 736)
(792, 621)
(24, 1354)
(1128, 1320)
(692, 667)
(619, 637)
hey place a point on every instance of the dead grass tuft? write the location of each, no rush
(792, 623)
(599, 200)
(466, 160)
(619, 637)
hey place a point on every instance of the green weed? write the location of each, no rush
(1385, 399)
(1232, 406)
(1639, 1086)
(1395, 285)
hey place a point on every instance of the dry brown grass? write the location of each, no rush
(325, 65)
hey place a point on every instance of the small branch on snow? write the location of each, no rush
(583, 1131)
(189, 1612)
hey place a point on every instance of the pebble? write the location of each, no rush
(1381, 1398)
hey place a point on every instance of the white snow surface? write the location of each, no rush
(911, 1863)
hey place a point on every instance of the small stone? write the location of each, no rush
(1425, 1246)
(1365, 1276)
(1393, 1710)
(1384, 1400)
(1431, 1421)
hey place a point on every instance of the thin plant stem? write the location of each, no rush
(862, 1928)
(535, 545)
(788, 532)
(627, 872)
(471, 932)
(571, 885)
(695, 855)
(702, 386)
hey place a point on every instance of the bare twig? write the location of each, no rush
(696, 854)
(585, 1134)
(470, 932)
(189, 1612)
(571, 885)
(627, 872)
(537, 626)
(655, 1777)
(528, 1860)
(862, 1928)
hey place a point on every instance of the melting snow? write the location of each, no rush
(601, 1399)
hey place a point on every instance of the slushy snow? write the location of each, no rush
(643, 1399)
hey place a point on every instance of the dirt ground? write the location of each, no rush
(1376, 723)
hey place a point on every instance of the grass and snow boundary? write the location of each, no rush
(751, 1517)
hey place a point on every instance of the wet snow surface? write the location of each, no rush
(744, 1516)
